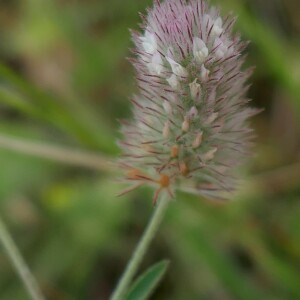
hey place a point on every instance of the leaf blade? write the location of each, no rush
(142, 288)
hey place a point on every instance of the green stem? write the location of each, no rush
(19, 264)
(138, 255)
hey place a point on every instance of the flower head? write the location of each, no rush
(190, 115)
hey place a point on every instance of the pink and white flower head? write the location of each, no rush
(190, 128)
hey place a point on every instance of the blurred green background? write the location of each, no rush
(65, 80)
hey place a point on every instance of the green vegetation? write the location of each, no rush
(64, 83)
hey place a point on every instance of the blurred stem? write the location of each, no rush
(140, 251)
(57, 153)
(19, 264)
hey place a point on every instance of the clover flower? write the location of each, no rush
(190, 127)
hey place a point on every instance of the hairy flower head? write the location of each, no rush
(190, 114)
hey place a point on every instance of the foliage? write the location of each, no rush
(64, 81)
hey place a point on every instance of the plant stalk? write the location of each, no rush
(19, 264)
(57, 153)
(139, 253)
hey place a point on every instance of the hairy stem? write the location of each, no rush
(19, 264)
(139, 253)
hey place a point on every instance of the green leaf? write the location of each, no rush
(145, 284)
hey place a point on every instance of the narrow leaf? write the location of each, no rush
(142, 288)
